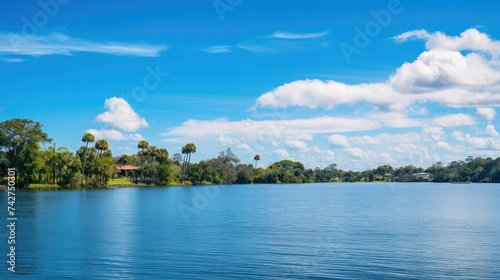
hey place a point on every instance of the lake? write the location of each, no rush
(307, 231)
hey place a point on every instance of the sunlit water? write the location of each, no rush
(310, 231)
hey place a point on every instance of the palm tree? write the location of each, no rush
(162, 156)
(101, 145)
(187, 150)
(152, 152)
(53, 158)
(86, 138)
(256, 158)
(143, 145)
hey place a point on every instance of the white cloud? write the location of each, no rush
(477, 142)
(11, 59)
(338, 140)
(315, 93)
(269, 129)
(300, 136)
(394, 119)
(486, 113)
(443, 145)
(244, 147)
(356, 152)
(282, 154)
(120, 115)
(470, 39)
(296, 145)
(454, 120)
(111, 134)
(458, 135)
(60, 44)
(491, 142)
(225, 140)
(218, 49)
(428, 134)
(442, 75)
(290, 35)
(434, 132)
(280, 42)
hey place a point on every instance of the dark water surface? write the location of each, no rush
(311, 231)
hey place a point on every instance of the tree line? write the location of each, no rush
(25, 146)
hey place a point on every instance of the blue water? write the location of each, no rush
(311, 231)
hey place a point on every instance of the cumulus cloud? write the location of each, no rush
(244, 147)
(296, 145)
(111, 134)
(282, 154)
(486, 113)
(441, 74)
(121, 116)
(458, 135)
(454, 120)
(356, 152)
(443, 145)
(490, 142)
(471, 39)
(434, 132)
(316, 93)
(427, 134)
(267, 129)
(338, 140)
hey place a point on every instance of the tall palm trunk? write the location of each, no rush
(53, 172)
(85, 159)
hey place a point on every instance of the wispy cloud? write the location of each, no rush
(60, 44)
(218, 49)
(278, 42)
(11, 59)
(290, 35)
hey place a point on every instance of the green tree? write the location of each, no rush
(87, 138)
(162, 156)
(53, 156)
(187, 150)
(142, 145)
(20, 141)
(256, 158)
(101, 146)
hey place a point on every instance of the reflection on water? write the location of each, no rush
(363, 231)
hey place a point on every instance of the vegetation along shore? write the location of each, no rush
(42, 164)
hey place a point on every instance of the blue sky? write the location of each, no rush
(357, 83)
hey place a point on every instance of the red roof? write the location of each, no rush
(127, 167)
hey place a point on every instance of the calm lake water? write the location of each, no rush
(310, 231)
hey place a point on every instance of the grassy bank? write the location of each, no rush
(122, 182)
(44, 186)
